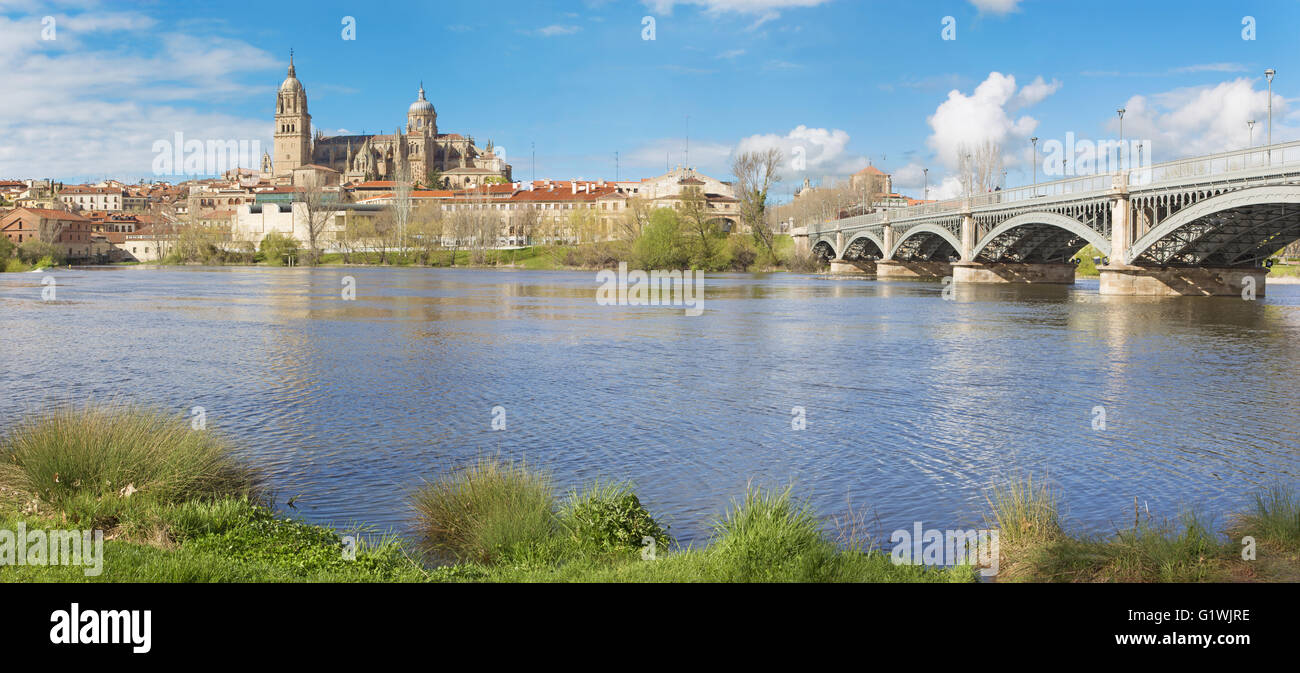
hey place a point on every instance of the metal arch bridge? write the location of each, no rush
(1222, 211)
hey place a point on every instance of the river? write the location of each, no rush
(913, 405)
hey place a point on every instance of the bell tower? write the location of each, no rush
(292, 125)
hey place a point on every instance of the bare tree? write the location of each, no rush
(524, 224)
(635, 218)
(697, 219)
(320, 204)
(980, 167)
(755, 173)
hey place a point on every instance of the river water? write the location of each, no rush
(914, 405)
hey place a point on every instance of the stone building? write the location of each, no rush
(417, 147)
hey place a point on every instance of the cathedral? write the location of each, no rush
(450, 159)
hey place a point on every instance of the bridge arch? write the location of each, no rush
(1038, 237)
(1237, 228)
(925, 242)
(864, 245)
(824, 249)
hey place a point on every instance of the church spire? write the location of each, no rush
(291, 72)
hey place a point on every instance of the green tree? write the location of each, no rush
(661, 244)
(276, 248)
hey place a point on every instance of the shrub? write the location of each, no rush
(276, 246)
(661, 244)
(487, 512)
(33, 252)
(609, 517)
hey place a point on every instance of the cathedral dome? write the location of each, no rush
(421, 105)
(291, 83)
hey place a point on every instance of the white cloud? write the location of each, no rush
(763, 10)
(995, 6)
(1034, 92)
(986, 115)
(821, 152)
(1203, 120)
(557, 30)
(72, 107)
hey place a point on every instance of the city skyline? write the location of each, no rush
(711, 74)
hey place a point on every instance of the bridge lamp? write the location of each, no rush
(925, 191)
(1250, 126)
(1034, 140)
(1269, 74)
(1121, 112)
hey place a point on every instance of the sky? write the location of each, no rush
(89, 89)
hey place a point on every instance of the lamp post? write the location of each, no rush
(925, 191)
(1269, 74)
(1122, 153)
(1250, 125)
(1034, 140)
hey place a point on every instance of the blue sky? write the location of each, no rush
(846, 81)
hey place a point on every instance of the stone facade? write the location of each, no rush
(418, 149)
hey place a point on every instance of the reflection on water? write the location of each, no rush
(914, 405)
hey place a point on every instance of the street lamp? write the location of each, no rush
(925, 191)
(1121, 112)
(1251, 126)
(1269, 74)
(1034, 140)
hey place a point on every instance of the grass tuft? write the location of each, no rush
(97, 463)
(488, 511)
(1025, 513)
(1274, 517)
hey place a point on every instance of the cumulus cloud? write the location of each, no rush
(1203, 120)
(986, 115)
(73, 108)
(814, 153)
(808, 152)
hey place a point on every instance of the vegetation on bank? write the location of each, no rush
(1035, 547)
(29, 256)
(176, 505)
(1087, 265)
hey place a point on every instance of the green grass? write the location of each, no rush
(231, 540)
(1284, 270)
(1086, 266)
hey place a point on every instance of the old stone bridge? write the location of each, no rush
(1199, 226)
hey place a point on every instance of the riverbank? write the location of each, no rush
(180, 509)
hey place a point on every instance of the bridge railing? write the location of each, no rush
(1223, 164)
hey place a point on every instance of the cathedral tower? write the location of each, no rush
(292, 125)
